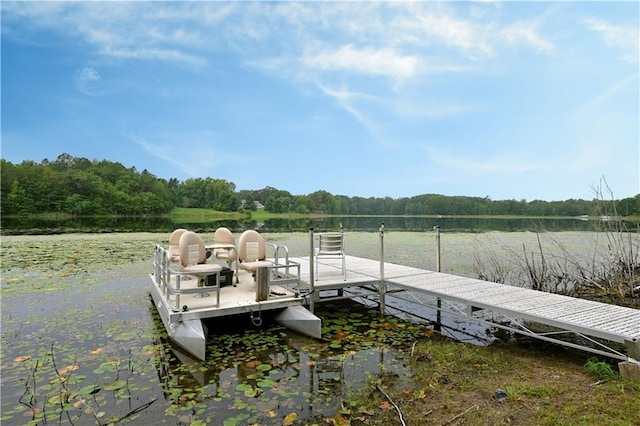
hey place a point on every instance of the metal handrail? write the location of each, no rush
(163, 272)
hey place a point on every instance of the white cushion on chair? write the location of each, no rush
(193, 254)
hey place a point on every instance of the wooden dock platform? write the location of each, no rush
(596, 323)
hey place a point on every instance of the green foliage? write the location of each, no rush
(79, 186)
(600, 369)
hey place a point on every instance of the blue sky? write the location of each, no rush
(511, 100)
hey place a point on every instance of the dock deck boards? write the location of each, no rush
(598, 320)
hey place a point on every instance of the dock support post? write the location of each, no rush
(438, 269)
(262, 284)
(312, 278)
(383, 285)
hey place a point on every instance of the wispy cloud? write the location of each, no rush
(198, 157)
(625, 37)
(166, 153)
(87, 81)
(347, 100)
(373, 38)
(527, 33)
(622, 86)
(441, 24)
(168, 55)
(383, 62)
(117, 30)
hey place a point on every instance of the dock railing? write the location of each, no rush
(172, 290)
(285, 275)
(311, 295)
(377, 289)
(282, 275)
(382, 290)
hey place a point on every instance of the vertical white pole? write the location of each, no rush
(383, 285)
(437, 230)
(438, 269)
(312, 280)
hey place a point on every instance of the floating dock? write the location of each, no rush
(599, 328)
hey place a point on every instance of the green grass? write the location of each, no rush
(600, 369)
(458, 381)
(179, 214)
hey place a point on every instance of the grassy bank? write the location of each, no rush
(523, 384)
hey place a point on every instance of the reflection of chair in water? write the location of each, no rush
(252, 251)
(224, 236)
(192, 258)
(174, 244)
(331, 244)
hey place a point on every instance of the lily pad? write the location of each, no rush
(267, 383)
(252, 392)
(118, 384)
(243, 387)
(89, 390)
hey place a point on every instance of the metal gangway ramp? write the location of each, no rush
(601, 328)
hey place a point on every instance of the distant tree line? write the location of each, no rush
(79, 186)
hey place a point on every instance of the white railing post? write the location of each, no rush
(383, 285)
(438, 269)
(312, 286)
(437, 231)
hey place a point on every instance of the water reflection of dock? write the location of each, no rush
(595, 327)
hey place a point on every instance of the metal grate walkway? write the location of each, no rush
(566, 315)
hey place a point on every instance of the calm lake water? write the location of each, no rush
(12, 226)
(81, 342)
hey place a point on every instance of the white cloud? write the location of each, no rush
(119, 30)
(87, 81)
(347, 100)
(196, 153)
(467, 35)
(395, 37)
(526, 32)
(624, 37)
(384, 62)
(166, 153)
(141, 53)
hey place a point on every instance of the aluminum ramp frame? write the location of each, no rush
(595, 322)
(584, 318)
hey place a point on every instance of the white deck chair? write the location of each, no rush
(174, 244)
(192, 258)
(224, 236)
(331, 244)
(252, 251)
